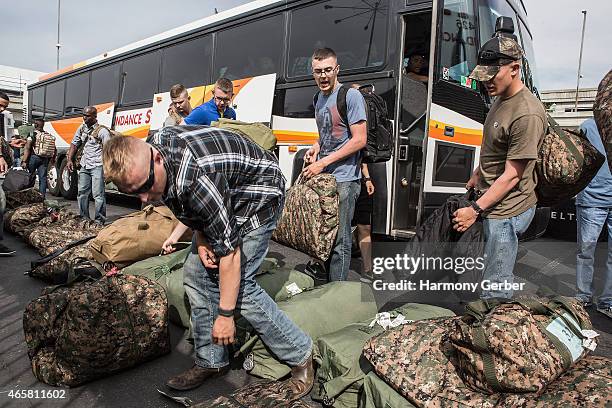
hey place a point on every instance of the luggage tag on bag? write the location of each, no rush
(559, 328)
(293, 289)
(589, 342)
(386, 322)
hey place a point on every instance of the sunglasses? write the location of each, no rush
(150, 181)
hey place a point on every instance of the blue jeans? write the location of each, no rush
(287, 341)
(590, 223)
(92, 181)
(39, 165)
(340, 259)
(501, 248)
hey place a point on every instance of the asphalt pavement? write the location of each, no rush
(541, 263)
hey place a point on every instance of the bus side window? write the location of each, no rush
(54, 100)
(141, 77)
(77, 93)
(187, 63)
(105, 84)
(37, 103)
(458, 44)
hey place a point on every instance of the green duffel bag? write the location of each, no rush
(341, 365)
(378, 394)
(257, 132)
(319, 311)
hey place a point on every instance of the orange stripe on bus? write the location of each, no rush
(290, 136)
(140, 132)
(461, 136)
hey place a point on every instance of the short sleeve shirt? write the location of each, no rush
(207, 113)
(92, 152)
(334, 133)
(513, 130)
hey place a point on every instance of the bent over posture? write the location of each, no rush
(231, 193)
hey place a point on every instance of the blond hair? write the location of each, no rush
(118, 158)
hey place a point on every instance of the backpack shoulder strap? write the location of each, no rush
(315, 99)
(341, 103)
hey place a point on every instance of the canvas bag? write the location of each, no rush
(48, 238)
(17, 180)
(341, 367)
(566, 164)
(77, 333)
(18, 219)
(134, 237)
(602, 112)
(309, 222)
(257, 132)
(378, 394)
(16, 199)
(44, 144)
(519, 345)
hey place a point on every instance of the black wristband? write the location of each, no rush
(476, 208)
(226, 313)
(367, 179)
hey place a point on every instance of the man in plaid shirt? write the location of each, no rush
(231, 193)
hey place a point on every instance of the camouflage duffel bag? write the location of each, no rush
(318, 311)
(520, 345)
(309, 222)
(21, 217)
(341, 367)
(567, 162)
(602, 111)
(259, 394)
(78, 333)
(417, 360)
(16, 199)
(66, 264)
(50, 238)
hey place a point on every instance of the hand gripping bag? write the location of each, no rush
(309, 222)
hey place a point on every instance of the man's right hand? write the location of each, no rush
(167, 247)
(3, 166)
(70, 166)
(312, 153)
(473, 181)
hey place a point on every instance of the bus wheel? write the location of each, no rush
(53, 181)
(68, 182)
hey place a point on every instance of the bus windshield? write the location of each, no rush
(458, 47)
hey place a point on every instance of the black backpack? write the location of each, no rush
(379, 141)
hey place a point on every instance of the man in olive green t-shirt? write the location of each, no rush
(512, 134)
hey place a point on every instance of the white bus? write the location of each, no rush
(265, 46)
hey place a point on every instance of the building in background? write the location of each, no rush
(14, 82)
(560, 105)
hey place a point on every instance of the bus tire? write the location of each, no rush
(53, 181)
(68, 182)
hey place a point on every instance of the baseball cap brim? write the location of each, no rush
(484, 72)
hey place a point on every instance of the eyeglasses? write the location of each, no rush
(222, 100)
(326, 71)
(150, 181)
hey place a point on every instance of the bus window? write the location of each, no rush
(77, 93)
(104, 84)
(249, 50)
(453, 165)
(141, 77)
(529, 53)
(488, 12)
(458, 46)
(37, 103)
(187, 63)
(356, 32)
(54, 100)
(298, 102)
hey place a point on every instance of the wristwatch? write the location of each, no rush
(476, 208)
(226, 313)
(366, 179)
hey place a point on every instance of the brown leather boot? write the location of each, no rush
(194, 377)
(301, 381)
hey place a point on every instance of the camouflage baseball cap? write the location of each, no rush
(496, 52)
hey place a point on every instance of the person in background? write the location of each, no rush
(363, 220)
(593, 211)
(180, 106)
(416, 67)
(217, 107)
(40, 152)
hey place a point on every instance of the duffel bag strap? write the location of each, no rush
(565, 139)
(478, 309)
(60, 251)
(562, 300)
(482, 346)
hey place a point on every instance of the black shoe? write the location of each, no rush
(4, 251)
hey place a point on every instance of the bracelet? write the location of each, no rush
(366, 179)
(477, 208)
(226, 313)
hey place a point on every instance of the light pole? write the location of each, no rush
(580, 60)
(58, 45)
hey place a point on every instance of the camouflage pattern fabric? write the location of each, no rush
(567, 162)
(259, 394)
(509, 349)
(86, 331)
(18, 219)
(49, 238)
(309, 221)
(16, 199)
(56, 270)
(602, 111)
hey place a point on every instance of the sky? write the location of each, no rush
(91, 28)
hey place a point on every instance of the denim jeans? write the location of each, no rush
(2, 208)
(39, 165)
(340, 259)
(590, 223)
(288, 342)
(501, 248)
(92, 179)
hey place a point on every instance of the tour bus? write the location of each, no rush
(265, 46)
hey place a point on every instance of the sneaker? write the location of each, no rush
(367, 277)
(4, 251)
(584, 303)
(607, 310)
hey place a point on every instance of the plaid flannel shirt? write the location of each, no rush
(219, 183)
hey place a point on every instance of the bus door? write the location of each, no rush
(411, 116)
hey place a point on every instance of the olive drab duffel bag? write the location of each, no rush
(566, 164)
(135, 236)
(602, 112)
(377, 393)
(257, 132)
(309, 222)
(77, 333)
(318, 311)
(520, 345)
(341, 367)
